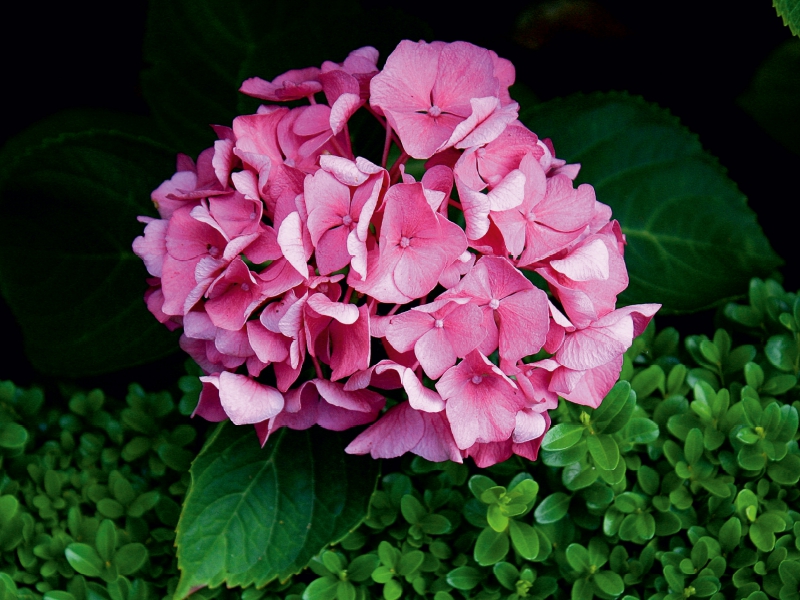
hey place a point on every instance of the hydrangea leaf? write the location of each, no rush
(789, 11)
(301, 481)
(200, 52)
(693, 242)
(773, 97)
(68, 208)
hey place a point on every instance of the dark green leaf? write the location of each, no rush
(692, 240)
(70, 202)
(552, 509)
(254, 514)
(410, 562)
(201, 51)
(773, 98)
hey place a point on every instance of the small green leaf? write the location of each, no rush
(609, 583)
(578, 558)
(525, 539)
(507, 574)
(13, 436)
(84, 559)
(323, 588)
(604, 451)
(410, 562)
(640, 431)
(490, 547)
(553, 508)
(106, 540)
(562, 436)
(361, 567)
(730, 534)
(392, 590)
(781, 350)
(412, 510)
(478, 484)
(464, 578)
(648, 380)
(693, 447)
(130, 558)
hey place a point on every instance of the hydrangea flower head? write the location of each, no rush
(318, 286)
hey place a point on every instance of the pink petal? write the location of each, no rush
(290, 239)
(246, 401)
(394, 434)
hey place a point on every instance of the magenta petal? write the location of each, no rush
(350, 344)
(246, 401)
(209, 406)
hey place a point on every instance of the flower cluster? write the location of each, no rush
(311, 283)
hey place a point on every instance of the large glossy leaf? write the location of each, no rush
(789, 11)
(773, 98)
(70, 191)
(202, 50)
(254, 514)
(692, 240)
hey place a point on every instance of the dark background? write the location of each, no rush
(694, 58)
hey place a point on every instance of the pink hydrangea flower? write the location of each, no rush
(316, 286)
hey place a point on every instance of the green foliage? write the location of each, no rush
(692, 240)
(254, 514)
(683, 483)
(201, 51)
(789, 11)
(79, 517)
(773, 98)
(83, 313)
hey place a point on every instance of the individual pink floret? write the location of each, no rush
(426, 91)
(481, 402)
(292, 85)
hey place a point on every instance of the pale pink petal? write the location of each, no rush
(508, 193)
(246, 401)
(587, 263)
(290, 239)
(344, 313)
(394, 434)
(342, 110)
